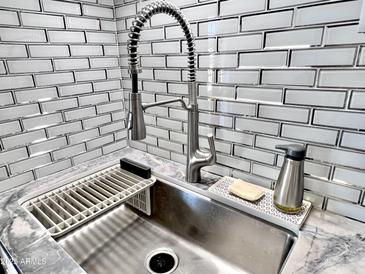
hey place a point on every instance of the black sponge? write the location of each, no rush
(135, 168)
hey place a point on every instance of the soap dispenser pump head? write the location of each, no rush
(293, 151)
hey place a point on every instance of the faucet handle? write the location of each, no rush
(212, 146)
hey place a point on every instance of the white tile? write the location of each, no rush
(259, 94)
(29, 66)
(9, 18)
(82, 23)
(238, 77)
(218, 61)
(238, 6)
(329, 13)
(346, 209)
(353, 140)
(243, 42)
(267, 21)
(318, 135)
(263, 59)
(358, 100)
(218, 27)
(325, 98)
(54, 78)
(323, 57)
(252, 125)
(41, 20)
(336, 156)
(286, 3)
(217, 91)
(342, 78)
(300, 115)
(294, 38)
(201, 12)
(61, 7)
(344, 35)
(22, 35)
(289, 77)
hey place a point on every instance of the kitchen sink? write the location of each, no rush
(190, 233)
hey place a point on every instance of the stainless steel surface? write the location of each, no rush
(158, 7)
(289, 189)
(181, 100)
(196, 158)
(207, 236)
(65, 208)
(136, 123)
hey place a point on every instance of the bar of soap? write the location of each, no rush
(246, 191)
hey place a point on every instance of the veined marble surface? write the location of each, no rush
(328, 243)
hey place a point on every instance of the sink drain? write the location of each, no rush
(161, 261)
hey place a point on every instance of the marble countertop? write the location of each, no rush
(327, 243)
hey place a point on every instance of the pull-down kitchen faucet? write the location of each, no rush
(196, 158)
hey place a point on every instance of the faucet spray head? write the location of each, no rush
(136, 123)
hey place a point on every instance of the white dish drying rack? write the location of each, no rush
(63, 209)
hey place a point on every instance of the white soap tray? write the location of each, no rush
(264, 208)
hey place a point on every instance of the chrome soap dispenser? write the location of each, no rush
(289, 189)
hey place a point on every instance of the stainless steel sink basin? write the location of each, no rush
(206, 236)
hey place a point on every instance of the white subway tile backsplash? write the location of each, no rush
(42, 121)
(9, 18)
(328, 13)
(310, 134)
(336, 156)
(323, 57)
(313, 97)
(339, 119)
(23, 139)
(294, 38)
(21, 4)
(66, 37)
(217, 91)
(332, 190)
(286, 3)
(218, 27)
(41, 20)
(54, 78)
(238, 7)
(49, 51)
(243, 42)
(342, 78)
(357, 100)
(346, 209)
(82, 23)
(22, 35)
(263, 59)
(267, 21)
(238, 77)
(34, 95)
(259, 94)
(289, 77)
(100, 12)
(300, 115)
(353, 140)
(29, 66)
(236, 108)
(339, 35)
(260, 126)
(12, 50)
(61, 7)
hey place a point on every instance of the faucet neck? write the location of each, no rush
(143, 16)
